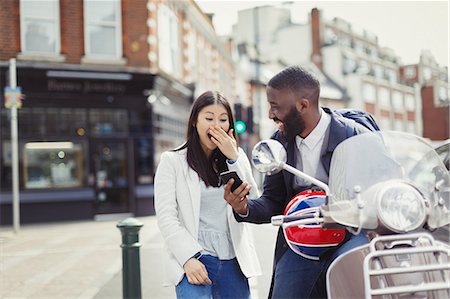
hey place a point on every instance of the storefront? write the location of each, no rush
(85, 145)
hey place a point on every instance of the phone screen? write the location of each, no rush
(227, 175)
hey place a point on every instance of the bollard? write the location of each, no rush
(131, 267)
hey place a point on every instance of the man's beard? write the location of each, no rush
(294, 124)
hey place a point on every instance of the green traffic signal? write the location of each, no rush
(240, 127)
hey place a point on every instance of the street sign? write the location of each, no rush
(13, 97)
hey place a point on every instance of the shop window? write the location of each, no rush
(108, 121)
(144, 160)
(39, 24)
(52, 165)
(36, 122)
(103, 29)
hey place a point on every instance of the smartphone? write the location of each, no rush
(227, 175)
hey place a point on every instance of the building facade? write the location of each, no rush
(434, 89)
(107, 87)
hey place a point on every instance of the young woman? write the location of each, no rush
(209, 254)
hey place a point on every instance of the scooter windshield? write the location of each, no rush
(372, 158)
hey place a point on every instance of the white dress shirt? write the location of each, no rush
(310, 148)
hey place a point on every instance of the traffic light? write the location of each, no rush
(240, 127)
(244, 119)
(239, 124)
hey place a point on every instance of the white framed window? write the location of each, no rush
(378, 71)
(103, 29)
(39, 27)
(411, 127)
(426, 73)
(385, 123)
(410, 102)
(443, 95)
(168, 37)
(410, 72)
(369, 93)
(397, 101)
(398, 125)
(384, 98)
(192, 53)
(349, 65)
(391, 75)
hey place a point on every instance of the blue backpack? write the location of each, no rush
(361, 117)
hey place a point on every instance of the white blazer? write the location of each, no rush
(177, 205)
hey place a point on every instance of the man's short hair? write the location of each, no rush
(297, 79)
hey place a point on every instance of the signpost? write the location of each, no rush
(13, 101)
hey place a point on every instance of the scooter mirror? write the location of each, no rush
(268, 156)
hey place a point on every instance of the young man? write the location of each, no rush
(310, 134)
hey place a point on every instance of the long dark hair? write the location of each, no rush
(207, 168)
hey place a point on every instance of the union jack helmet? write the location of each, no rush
(310, 240)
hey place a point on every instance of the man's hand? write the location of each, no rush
(196, 272)
(237, 199)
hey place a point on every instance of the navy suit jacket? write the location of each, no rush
(278, 188)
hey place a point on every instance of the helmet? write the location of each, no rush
(310, 240)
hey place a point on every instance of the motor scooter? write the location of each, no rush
(392, 186)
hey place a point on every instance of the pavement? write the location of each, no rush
(83, 259)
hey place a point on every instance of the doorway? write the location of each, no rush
(109, 160)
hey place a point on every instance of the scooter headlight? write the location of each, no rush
(401, 207)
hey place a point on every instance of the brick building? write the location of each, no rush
(108, 86)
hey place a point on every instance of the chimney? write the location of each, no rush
(316, 55)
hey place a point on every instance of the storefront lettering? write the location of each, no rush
(85, 87)
(64, 86)
(104, 87)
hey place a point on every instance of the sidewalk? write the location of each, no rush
(84, 260)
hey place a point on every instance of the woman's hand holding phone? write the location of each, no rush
(225, 142)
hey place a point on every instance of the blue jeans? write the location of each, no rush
(299, 277)
(228, 281)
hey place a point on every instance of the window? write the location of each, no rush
(411, 127)
(385, 123)
(168, 37)
(44, 122)
(426, 73)
(144, 159)
(330, 37)
(349, 65)
(384, 97)
(398, 125)
(378, 71)
(52, 165)
(39, 26)
(410, 102)
(443, 95)
(108, 121)
(397, 101)
(369, 93)
(410, 72)
(103, 30)
(192, 44)
(391, 75)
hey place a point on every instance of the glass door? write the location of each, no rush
(110, 165)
